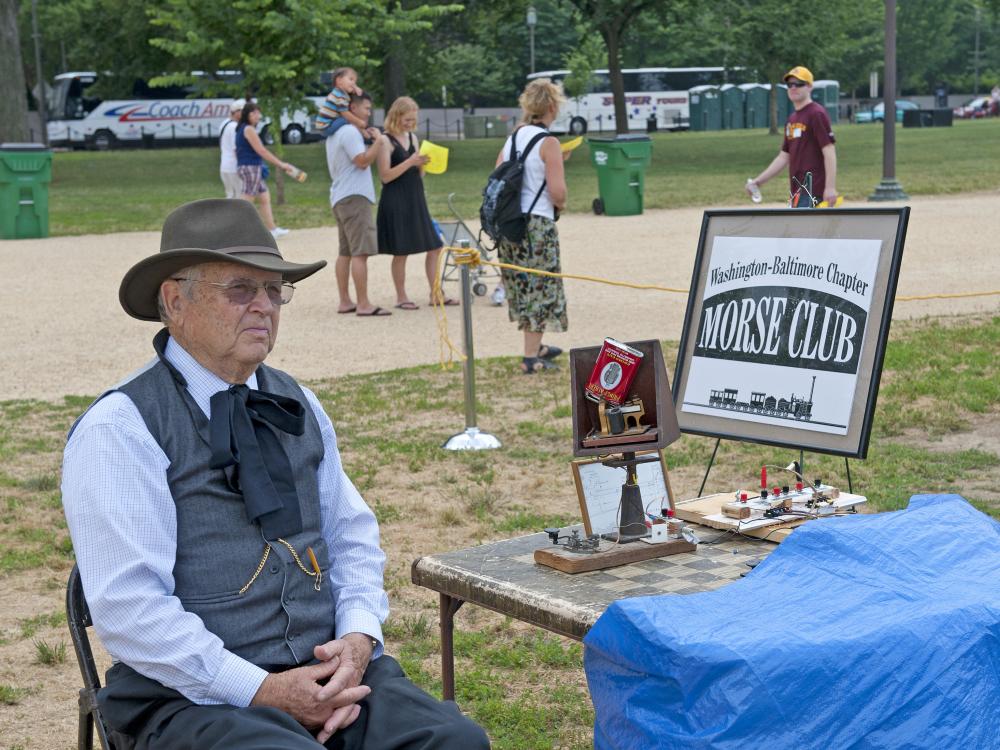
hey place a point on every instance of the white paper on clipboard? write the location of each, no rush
(600, 490)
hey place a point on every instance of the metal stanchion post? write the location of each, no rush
(471, 439)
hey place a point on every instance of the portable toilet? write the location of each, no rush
(784, 106)
(827, 93)
(755, 103)
(732, 106)
(706, 108)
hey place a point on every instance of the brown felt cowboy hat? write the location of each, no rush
(207, 231)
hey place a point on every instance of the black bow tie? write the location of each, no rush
(242, 434)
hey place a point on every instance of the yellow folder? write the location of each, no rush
(438, 155)
(836, 204)
(571, 144)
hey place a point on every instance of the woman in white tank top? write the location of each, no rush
(537, 303)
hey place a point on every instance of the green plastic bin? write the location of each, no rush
(25, 174)
(495, 126)
(621, 170)
(474, 126)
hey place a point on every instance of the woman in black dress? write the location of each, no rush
(404, 223)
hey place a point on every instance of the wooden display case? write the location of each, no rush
(651, 384)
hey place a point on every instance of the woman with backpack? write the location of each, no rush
(537, 303)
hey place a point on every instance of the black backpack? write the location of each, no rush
(500, 215)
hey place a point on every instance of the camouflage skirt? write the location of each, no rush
(535, 303)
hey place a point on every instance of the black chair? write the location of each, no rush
(78, 618)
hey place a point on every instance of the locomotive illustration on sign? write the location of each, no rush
(761, 403)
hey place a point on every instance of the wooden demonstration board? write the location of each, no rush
(615, 554)
(700, 509)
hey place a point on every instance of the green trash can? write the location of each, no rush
(495, 126)
(621, 169)
(474, 126)
(25, 174)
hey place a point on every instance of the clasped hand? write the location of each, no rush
(322, 697)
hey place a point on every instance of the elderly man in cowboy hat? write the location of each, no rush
(232, 569)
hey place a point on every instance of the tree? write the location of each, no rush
(683, 34)
(581, 63)
(280, 46)
(491, 35)
(106, 36)
(770, 43)
(405, 41)
(13, 92)
(925, 37)
(612, 18)
(475, 77)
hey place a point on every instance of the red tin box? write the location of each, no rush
(613, 372)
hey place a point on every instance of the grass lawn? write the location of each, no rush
(941, 380)
(134, 190)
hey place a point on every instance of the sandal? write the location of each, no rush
(548, 352)
(376, 312)
(531, 365)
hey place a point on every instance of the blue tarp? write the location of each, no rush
(866, 631)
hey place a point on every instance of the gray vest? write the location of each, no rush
(281, 616)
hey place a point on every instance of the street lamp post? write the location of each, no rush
(532, 20)
(43, 112)
(889, 188)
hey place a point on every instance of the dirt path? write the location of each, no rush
(65, 333)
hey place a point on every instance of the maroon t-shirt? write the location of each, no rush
(807, 131)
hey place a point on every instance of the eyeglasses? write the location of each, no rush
(245, 292)
(796, 84)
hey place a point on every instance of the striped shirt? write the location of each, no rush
(122, 520)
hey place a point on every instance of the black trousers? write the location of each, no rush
(396, 715)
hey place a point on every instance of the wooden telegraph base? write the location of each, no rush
(618, 554)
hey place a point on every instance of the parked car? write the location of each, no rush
(978, 107)
(877, 113)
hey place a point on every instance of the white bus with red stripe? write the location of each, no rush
(78, 118)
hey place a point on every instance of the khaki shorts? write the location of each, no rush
(232, 183)
(355, 226)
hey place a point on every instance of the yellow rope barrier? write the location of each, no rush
(442, 317)
(958, 295)
(470, 256)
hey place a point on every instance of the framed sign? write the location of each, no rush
(599, 489)
(786, 326)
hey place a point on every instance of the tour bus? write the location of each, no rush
(78, 118)
(660, 93)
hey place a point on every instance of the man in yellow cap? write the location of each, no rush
(808, 145)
